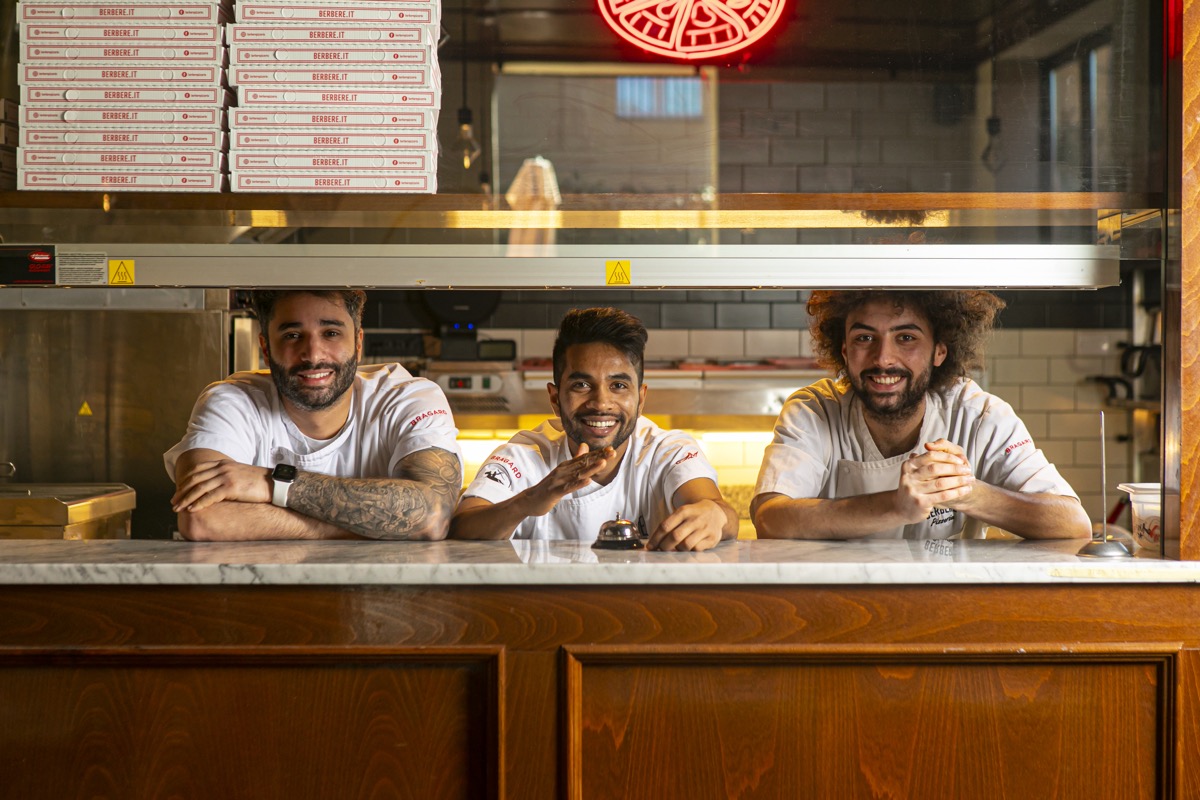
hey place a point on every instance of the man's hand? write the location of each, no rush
(695, 526)
(569, 476)
(939, 477)
(208, 482)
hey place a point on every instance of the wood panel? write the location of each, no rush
(252, 725)
(786, 723)
(178, 682)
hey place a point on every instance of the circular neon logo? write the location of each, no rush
(691, 29)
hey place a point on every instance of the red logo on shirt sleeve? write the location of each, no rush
(1017, 446)
(426, 414)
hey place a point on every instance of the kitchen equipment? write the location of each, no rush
(618, 534)
(459, 313)
(1146, 499)
(1106, 546)
(65, 510)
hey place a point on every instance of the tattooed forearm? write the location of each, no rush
(417, 505)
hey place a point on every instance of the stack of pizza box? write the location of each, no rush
(122, 95)
(334, 97)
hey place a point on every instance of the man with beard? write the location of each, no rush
(600, 459)
(904, 444)
(317, 447)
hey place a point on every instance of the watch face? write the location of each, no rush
(284, 472)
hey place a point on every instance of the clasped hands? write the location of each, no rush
(941, 477)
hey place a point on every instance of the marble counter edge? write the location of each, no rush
(575, 575)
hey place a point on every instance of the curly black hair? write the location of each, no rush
(962, 320)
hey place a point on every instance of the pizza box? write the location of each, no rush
(183, 139)
(130, 180)
(427, 13)
(10, 111)
(9, 134)
(323, 160)
(114, 11)
(126, 95)
(329, 55)
(281, 121)
(36, 115)
(372, 181)
(336, 99)
(259, 33)
(96, 53)
(141, 74)
(341, 140)
(333, 75)
(121, 158)
(121, 34)
(8, 159)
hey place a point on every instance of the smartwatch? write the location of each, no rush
(281, 480)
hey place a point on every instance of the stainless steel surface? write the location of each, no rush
(99, 396)
(62, 504)
(81, 297)
(65, 511)
(651, 266)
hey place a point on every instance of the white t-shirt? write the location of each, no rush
(392, 415)
(654, 466)
(822, 449)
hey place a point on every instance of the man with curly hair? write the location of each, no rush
(904, 444)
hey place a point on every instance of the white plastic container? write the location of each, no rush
(1146, 499)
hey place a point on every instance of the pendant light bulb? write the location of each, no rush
(466, 145)
(993, 154)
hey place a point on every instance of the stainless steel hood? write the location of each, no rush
(989, 266)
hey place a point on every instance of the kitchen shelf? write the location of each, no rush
(591, 266)
(63, 217)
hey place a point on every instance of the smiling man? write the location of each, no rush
(600, 459)
(904, 444)
(317, 447)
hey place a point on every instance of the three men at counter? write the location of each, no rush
(320, 447)
(600, 458)
(903, 444)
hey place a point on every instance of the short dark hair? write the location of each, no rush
(961, 320)
(262, 302)
(611, 326)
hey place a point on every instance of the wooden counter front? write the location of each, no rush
(1086, 691)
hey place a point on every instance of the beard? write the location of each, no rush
(580, 433)
(310, 398)
(893, 407)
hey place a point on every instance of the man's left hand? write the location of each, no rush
(210, 482)
(695, 526)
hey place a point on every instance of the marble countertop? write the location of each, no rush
(140, 562)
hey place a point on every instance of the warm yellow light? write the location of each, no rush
(755, 437)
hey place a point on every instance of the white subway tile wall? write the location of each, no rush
(1045, 374)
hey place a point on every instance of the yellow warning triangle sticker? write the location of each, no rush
(616, 273)
(85, 410)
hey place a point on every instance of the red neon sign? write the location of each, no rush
(691, 29)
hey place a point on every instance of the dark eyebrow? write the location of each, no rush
(908, 326)
(619, 376)
(325, 323)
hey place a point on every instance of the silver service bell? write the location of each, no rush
(618, 534)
